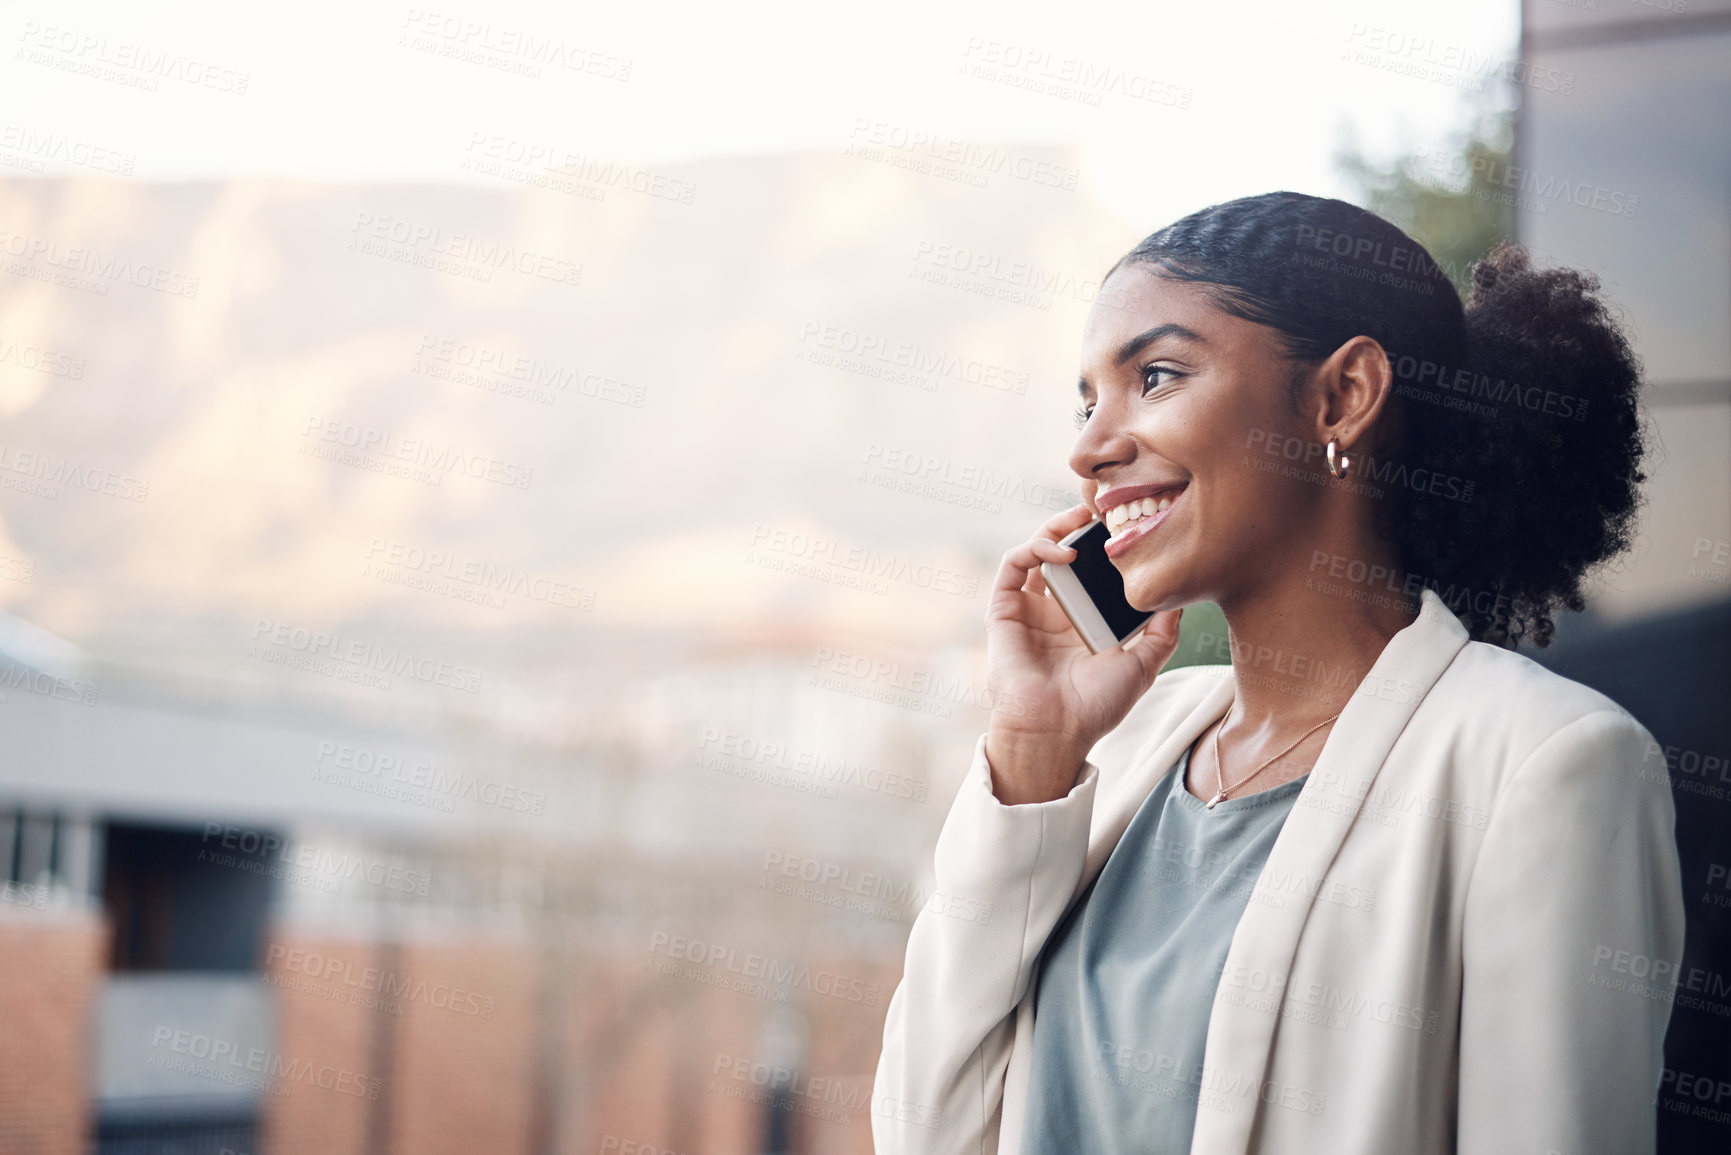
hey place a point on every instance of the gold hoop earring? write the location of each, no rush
(1338, 462)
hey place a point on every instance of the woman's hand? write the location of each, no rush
(1052, 699)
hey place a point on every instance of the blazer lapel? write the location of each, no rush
(1114, 807)
(1240, 1032)
(1113, 811)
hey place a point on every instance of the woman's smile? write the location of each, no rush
(1133, 512)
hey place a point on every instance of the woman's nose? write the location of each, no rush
(1105, 442)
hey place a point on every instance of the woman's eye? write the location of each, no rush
(1151, 376)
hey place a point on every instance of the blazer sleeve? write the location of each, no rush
(1572, 935)
(1013, 869)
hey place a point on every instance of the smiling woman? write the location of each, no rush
(1354, 892)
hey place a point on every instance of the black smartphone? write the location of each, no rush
(1091, 591)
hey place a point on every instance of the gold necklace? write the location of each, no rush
(1220, 795)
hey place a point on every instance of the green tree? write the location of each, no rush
(1450, 199)
(1202, 638)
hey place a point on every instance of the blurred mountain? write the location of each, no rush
(574, 400)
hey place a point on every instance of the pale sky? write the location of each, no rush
(339, 91)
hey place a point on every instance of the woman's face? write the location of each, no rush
(1183, 403)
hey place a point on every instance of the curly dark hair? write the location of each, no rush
(1529, 392)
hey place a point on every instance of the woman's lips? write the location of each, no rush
(1126, 539)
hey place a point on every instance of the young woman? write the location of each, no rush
(1382, 886)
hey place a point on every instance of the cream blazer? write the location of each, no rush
(1465, 939)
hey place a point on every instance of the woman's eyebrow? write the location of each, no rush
(1141, 341)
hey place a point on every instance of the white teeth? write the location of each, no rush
(1129, 512)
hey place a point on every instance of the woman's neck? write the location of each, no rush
(1300, 650)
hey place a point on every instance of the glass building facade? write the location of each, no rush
(1622, 166)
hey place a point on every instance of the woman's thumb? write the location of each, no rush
(1156, 644)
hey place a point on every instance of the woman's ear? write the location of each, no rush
(1352, 387)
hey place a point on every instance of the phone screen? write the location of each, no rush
(1105, 585)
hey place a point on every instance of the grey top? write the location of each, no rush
(1127, 979)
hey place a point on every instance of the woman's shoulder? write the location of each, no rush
(1514, 684)
(1519, 706)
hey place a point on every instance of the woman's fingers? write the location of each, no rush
(1024, 559)
(1019, 573)
(1013, 571)
(1069, 521)
(1155, 645)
